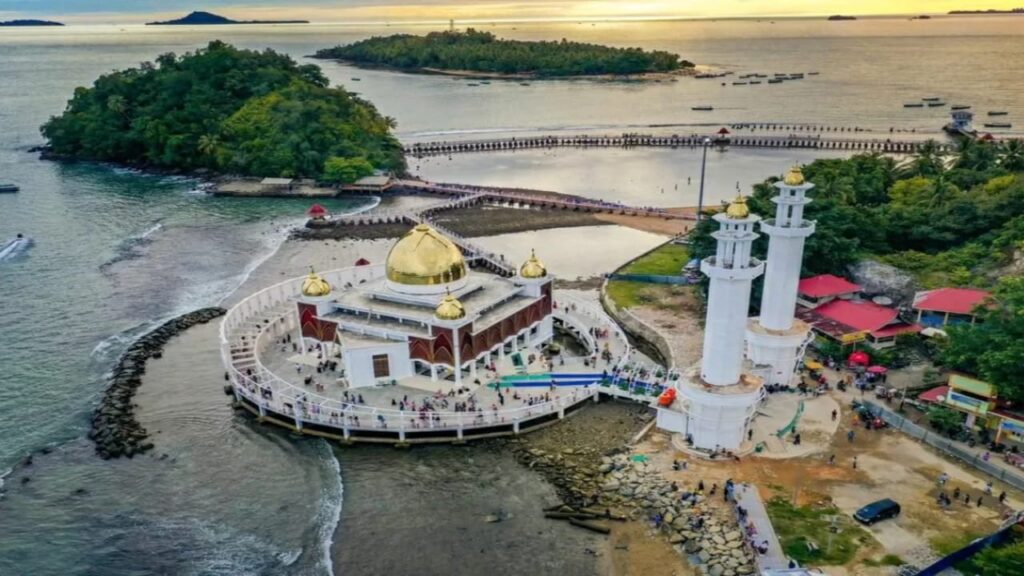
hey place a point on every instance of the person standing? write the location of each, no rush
(854, 462)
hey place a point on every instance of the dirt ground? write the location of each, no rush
(889, 465)
(677, 317)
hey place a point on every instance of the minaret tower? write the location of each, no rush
(715, 405)
(776, 340)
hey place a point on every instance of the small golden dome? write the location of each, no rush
(795, 177)
(450, 308)
(423, 257)
(314, 286)
(533, 267)
(738, 209)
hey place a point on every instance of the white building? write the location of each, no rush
(776, 340)
(715, 404)
(429, 315)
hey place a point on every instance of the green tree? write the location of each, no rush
(1006, 559)
(945, 420)
(346, 170)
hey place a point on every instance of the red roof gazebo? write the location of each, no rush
(317, 212)
(362, 262)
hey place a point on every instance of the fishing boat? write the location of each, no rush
(775, 81)
(8, 188)
(998, 125)
(914, 105)
(960, 107)
(813, 73)
(933, 104)
(524, 83)
(486, 82)
(756, 82)
(998, 113)
(702, 108)
(932, 99)
(472, 84)
(739, 83)
(354, 79)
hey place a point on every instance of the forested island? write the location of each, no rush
(990, 11)
(840, 18)
(229, 111)
(946, 220)
(473, 51)
(30, 22)
(206, 18)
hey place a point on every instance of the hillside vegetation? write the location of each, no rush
(226, 110)
(483, 52)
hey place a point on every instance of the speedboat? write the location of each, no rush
(998, 125)
(914, 105)
(8, 188)
(702, 108)
(960, 107)
(15, 246)
(998, 113)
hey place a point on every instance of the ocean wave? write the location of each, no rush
(329, 514)
(4, 474)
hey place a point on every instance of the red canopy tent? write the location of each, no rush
(724, 132)
(362, 262)
(859, 357)
(876, 369)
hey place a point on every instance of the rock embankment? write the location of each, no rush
(595, 469)
(115, 431)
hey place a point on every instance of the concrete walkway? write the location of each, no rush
(750, 500)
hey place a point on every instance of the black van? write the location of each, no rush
(878, 511)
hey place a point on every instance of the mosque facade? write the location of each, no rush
(429, 315)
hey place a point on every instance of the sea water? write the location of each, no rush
(116, 251)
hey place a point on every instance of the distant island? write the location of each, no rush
(475, 53)
(1012, 11)
(206, 18)
(30, 23)
(223, 110)
(840, 18)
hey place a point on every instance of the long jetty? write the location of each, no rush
(802, 141)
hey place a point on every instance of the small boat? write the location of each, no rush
(472, 84)
(998, 125)
(998, 113)
(813, 73)
(486, 82)
(960, 107)
(739, 83)
(15, 246)
(8, 188)
(702, 108)
(524, 83)
(932, 99)
(756, 82)
(775, 81)
(914, 105)
(354, 79)
(936, 104)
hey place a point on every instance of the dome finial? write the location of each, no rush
(449, 308)
(314, 286)
(738, 209)
(795, 176)
(533, 268)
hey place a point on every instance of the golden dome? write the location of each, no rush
(450, 308)
(423, 257)
(738, 209)
(314, 286)
(533, 267)
(795, 177)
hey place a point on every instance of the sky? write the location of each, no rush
(124, 11)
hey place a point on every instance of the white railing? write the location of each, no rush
(271, 393)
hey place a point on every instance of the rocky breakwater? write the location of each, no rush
(115, 431)
(707, 534)
(598, 476)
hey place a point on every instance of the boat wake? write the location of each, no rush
(131, 247)
(15, 247)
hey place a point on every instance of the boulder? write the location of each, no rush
(877, 278)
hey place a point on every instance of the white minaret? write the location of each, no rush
(732, 271)
(715, 405)
(776, 340)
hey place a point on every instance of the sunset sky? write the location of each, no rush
(375, 10)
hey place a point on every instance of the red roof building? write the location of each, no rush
(818, 290)
(937, 308)
(849, 321)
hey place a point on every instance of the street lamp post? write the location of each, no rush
(703, 166)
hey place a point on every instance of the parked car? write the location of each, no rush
(876, 511)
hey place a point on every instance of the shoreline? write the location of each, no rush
(517, 77)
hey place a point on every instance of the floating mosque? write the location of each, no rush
(716, 401)
(423, 348)
(428, 315)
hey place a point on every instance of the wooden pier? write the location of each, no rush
(801, 141)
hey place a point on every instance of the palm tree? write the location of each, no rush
(209, 144)
(1011, 155)
(928, 162)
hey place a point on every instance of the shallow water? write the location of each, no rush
(116, 250)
